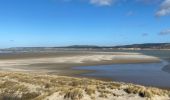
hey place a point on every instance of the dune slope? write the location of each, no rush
(26, 86)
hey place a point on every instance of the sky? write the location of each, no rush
(28, 23)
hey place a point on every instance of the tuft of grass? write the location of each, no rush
(113, 86)
(8, 97)
(101, 86)
(90, 90)
(12, 87)
(104, 91)
(74, 94)
(29, 96)
(145, 92)
(103, 95)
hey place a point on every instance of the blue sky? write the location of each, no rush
(83, 22)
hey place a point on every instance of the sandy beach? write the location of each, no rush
(62, 62)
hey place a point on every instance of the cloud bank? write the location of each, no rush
(102, 2)
(164, 9)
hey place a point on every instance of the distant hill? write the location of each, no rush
(139, 46)
(84, 46)
(147, 46)
(90, 47)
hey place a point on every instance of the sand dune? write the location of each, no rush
(29, 86)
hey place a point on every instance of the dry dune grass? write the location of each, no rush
(145, 91)
(27, 86)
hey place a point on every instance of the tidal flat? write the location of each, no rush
(63, 62)
(32, 74)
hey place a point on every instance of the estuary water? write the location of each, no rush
(149, 74)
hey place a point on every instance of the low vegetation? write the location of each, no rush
(26, 86)
(145, 91)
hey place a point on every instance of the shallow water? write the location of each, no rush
(149, 74)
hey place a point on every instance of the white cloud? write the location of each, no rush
(164, 9)
(97, 2)
(102, 2)
(165, 32)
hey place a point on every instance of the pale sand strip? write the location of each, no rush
(81, 59)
